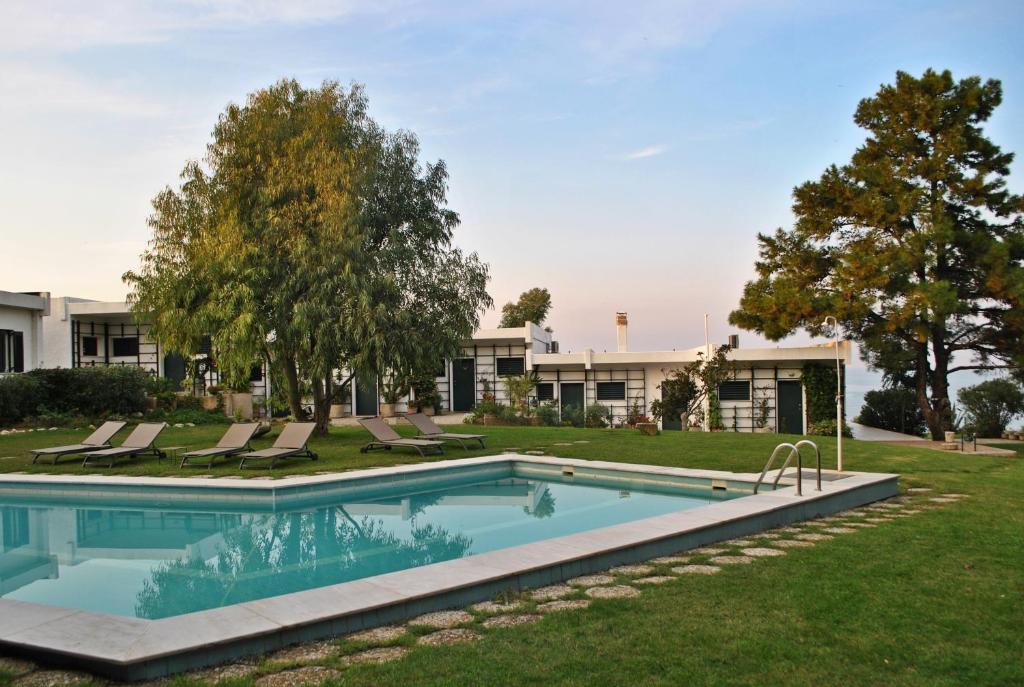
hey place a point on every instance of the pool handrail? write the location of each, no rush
(794, 449)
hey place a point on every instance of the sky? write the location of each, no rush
(624, 155)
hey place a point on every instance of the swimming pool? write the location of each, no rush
(109, 555)
(139, 577)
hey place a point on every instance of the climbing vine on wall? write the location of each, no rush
(820, 387)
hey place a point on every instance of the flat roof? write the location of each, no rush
(25, 301)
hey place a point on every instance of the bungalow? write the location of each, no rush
(21, 335)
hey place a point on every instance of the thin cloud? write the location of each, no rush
(649, 151)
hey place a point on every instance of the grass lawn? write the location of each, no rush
(936, 598)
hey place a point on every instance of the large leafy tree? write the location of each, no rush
(915, 245)
(532, 306)
(312, 237)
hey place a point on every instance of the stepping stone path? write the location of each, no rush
(494, 607)
(942, 499)
(445, 619)
(731, 560)
(217, 674)
(918, 490)
(563, 605)
(764, 553)
(696, 570)
(310, 675)
(384, 654)
(670, 560)
(555, 591)
(740, 542)
(861, 524)
(563, 443)
(813, 536)
(619, 591)
(840, 530)
(449, 637)
(792, 543)
(789, 530)
(632, 570)
(654, 579)
(515, 620)
(876, 520)
(581, 441)
(591, 580)
(911, 511)
(313, 651)
(52, 678)
(708, 551)
(769, 535)
(378, 635)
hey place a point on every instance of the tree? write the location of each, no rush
(532, 306)
(990, 406)
(312, 237)
(684, 390)
(894, 409)
(915, 245)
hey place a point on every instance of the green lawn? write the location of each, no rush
(932, 599)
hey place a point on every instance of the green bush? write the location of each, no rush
(184, 416)
(820, 388)
(89, 391)
(547, 414)
(596, 415)
(20, 395)
(893, 409)
(990, 406)
(572, 416)
(827, 428)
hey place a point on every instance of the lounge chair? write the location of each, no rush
(291, 442)
(235, 440)
(385, 438)
(428, 429)
(138, 442)
(94, 442)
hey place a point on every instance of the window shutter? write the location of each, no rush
(611, 391)
(734, 391)
(18, 352)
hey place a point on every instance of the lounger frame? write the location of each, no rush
(59, 452)
(283, 452)
(375, 426)
(440, 434)
(219, 451)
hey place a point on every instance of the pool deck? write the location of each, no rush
(131, 648)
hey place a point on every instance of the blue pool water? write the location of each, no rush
(154, 563)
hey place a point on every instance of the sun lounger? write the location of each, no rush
(292, 442)
(94, 442)
(138, 442)
(235, 440)
(429, 430)
(385, 438)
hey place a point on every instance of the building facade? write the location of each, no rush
(21, 330)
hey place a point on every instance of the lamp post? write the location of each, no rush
(839, 394)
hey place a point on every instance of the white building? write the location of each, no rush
(21, 330)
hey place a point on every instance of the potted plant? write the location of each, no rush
(238, 401)
(212, 400)
(645, 425)
(392, 389)
(426, 398)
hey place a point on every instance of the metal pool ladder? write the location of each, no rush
(794, 450)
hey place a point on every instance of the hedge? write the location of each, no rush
(88, 391)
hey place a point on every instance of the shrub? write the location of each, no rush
(20, 395)
(820, 389)
(990, 406)
(572, 416)
(88, 391)
(596, 415)
(827, 428)
(196, 417)
(894, 409)
(547, 413)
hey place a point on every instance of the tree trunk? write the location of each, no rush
(935, 406)
(322, 404)
(291, 375)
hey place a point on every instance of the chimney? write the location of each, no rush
(734, 341)
(621, 322)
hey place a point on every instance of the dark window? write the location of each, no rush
(511, 366)
(611, 391)
(90, 345)
(3, 350)
(256, 374)
(17, 351)
(125, 346)
(734, 391)
(546, 391)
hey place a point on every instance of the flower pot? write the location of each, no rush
(763, 430)
(490, 419)
(387, 409)
(151, 402)
(238, 405)
(208, 402)
(428, 411)
(648, 428)
(337, 410)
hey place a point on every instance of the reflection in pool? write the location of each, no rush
(160, 563)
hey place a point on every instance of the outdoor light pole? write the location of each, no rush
(839, 395)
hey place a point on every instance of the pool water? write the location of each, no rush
(156, 563)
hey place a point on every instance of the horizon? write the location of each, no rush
(624, 158)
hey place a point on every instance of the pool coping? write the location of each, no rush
(133, 648)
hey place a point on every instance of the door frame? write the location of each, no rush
(778, 405)
(454, 363)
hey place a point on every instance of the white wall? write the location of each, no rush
(29, 323)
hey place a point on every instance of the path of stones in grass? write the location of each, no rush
(312, 663)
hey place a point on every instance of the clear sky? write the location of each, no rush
(622, 154)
